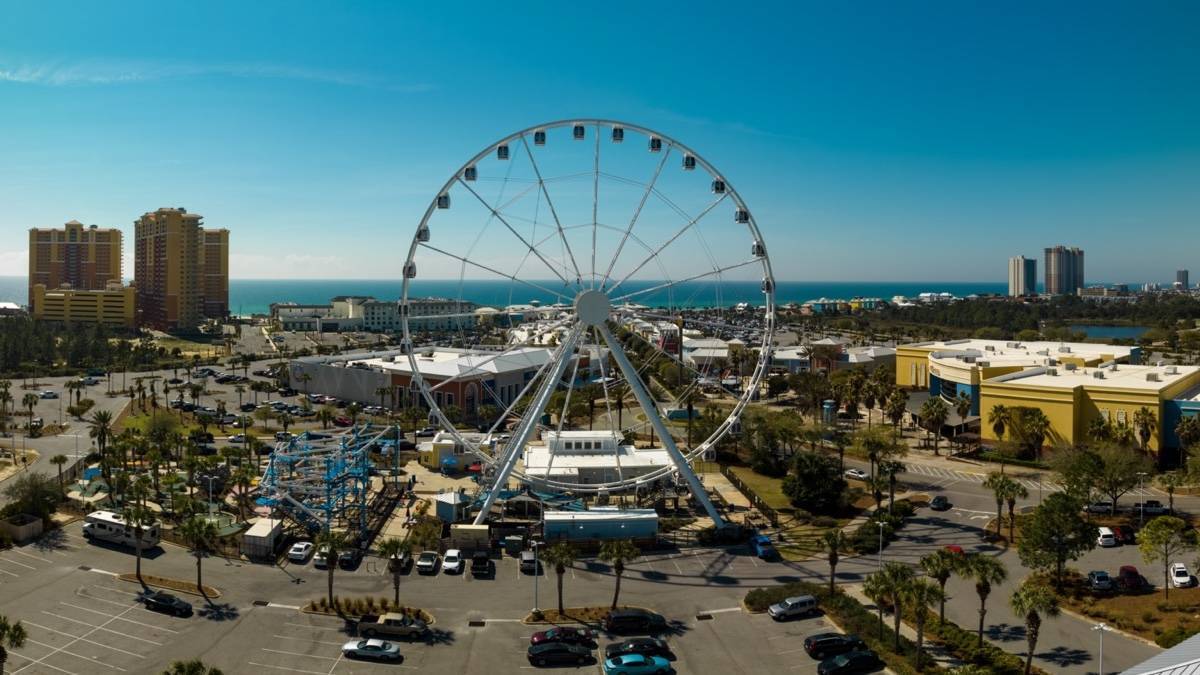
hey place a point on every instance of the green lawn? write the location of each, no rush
(768, 489)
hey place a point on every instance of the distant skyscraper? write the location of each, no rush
(1181, 278)
(181, 270)
(86, 257)
(1064, 270)
(1022, 276)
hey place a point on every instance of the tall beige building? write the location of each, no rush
(84, 257)
(181, 270)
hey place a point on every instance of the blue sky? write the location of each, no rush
(873, 141)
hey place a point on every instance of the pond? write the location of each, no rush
(1110, 332)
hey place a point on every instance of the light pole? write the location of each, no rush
(881, 526)
(1141, 504)
(1102, 628)
(536, 568)
(210, 494)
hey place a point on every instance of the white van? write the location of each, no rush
(1107, 538)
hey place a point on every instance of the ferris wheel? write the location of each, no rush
(587, 275)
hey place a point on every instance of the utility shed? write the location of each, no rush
(258, 543)
(451, 507)
(600, 524)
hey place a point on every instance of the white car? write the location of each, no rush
(452, 562)
(48, 394)
(427, 562)
(857, 474)
(380, 650)
(1180, 577)
(321, 559)
(300, 551)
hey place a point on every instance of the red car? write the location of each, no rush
(342, 421)
(567, 634)
(1129, 579)
(955, 549)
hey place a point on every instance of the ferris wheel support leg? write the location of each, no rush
(512, 450)
(668, 441)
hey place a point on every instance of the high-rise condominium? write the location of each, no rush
(1064, 270)
(85, 257)
(1022, 276)
(1181, 278)
(181, 270)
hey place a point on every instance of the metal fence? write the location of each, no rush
(769, 513)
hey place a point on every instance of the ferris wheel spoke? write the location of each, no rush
(497, 272)
(550, 204)
(502, 219)
(476, 368)
(670, 241)
(595, 202)
(636, 214)
(671, 284)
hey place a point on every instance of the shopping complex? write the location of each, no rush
(1071, 383)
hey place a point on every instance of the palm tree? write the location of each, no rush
(561, 555)
(381, 392)
(618, 553)
(304, 378)
(326, 415)
(393, 549)
(875, 588)
(918, 595)
(138, 517)
(12, 636)
(895, 578)
(58, 461)
(1015, 492)
(1001, 486)
(199, 533)
(100, 429)
(1033, 599)
(1034, 425)
(888, 469)
(1000, 418)
(285, 420)
(987, 572)
(897, 404)
(334, 542)
(29, 401)
(938, 566)
(193, 667)
(1146, 424)
(832, 542)
(962, 405)
(933, 416)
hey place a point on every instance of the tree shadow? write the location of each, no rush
(219, 612)
(54, 540)
(1004, 632)
(1065, 656)
(438, 636)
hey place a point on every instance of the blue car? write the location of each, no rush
(763, 548)
(637, 664)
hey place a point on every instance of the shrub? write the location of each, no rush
(802, 516)
(824, 521)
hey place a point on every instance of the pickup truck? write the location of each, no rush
(390, 624)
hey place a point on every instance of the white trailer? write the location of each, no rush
(111, 527)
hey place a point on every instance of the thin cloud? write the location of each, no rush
(134, 72)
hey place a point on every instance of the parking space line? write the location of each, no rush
(84, 639)
(4, 571)
(122, 618)
(14, 562)
(27, 658)
(290, 670)
(336, 662)
(109, 602)
(30, 555)
(307, 656)
(63, 650)
(677, 567)
(316, 642)
(107, 630)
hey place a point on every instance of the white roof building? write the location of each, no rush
(590, 457)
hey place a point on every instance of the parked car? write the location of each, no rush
(1125, 534)
(529, 562)
(763, 548)
(825, 645)
(633, 621)
(800, 605)
(237, 438)
(283, 435)
(1150, 507)
(1099, 507)
(575, 636)
(349, 558)
(342, 421)
(861, 661)
(558, 653)
(48, 394)
(321, 557)
(1129, 579)
(1099, 581)
(636, 664)
(1107, 538)
(160, 601)
(380, 650)
(427, 562)
(426, 432)
(261, 372)
(857, 474)
(391, 624)
(1180, 576)
(452, 562)
(300, 551)
(202, 436)
(646, 646)
(481, 564)
(940, 503)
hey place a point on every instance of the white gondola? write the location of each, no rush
(655, 144)
(539, 137)
(577, 132)
(410, 270)
(718, 187)
(501, 152)
(443, 201)
(470, 173)
(768, 285)
(423, 234)
(758, 250)
(741, 216)
(618, 134)
(689, 162)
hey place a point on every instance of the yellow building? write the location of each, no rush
(113, 306)
(181, 270)
(85, 257)
(1071, 397)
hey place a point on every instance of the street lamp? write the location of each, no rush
(1102, 628)
(881, 526)
(1141, 504)
(536, 567)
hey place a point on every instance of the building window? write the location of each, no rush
(1120, 417)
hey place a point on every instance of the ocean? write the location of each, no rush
(254, 296)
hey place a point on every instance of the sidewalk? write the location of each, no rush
(934, 651)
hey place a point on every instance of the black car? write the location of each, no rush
(427, 432)
(349, 558)
(825, 645)
(247, 407)
(646, 646)
(940, 503)
(166, 603)
(405, 444)
(557, 653)
(481, 564)
(861, 661)
(633, 621)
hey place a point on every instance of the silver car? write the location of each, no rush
(800, 605)
(380, 650)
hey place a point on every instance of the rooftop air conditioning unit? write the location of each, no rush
(990, 348)
(1064, 349)
(1172, 370)
(1052, 371)
(1099, 374)
(1152, 377)
(1069, 366)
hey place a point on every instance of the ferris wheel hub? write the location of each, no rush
(592, 307)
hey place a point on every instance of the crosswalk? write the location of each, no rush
(944, 477)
